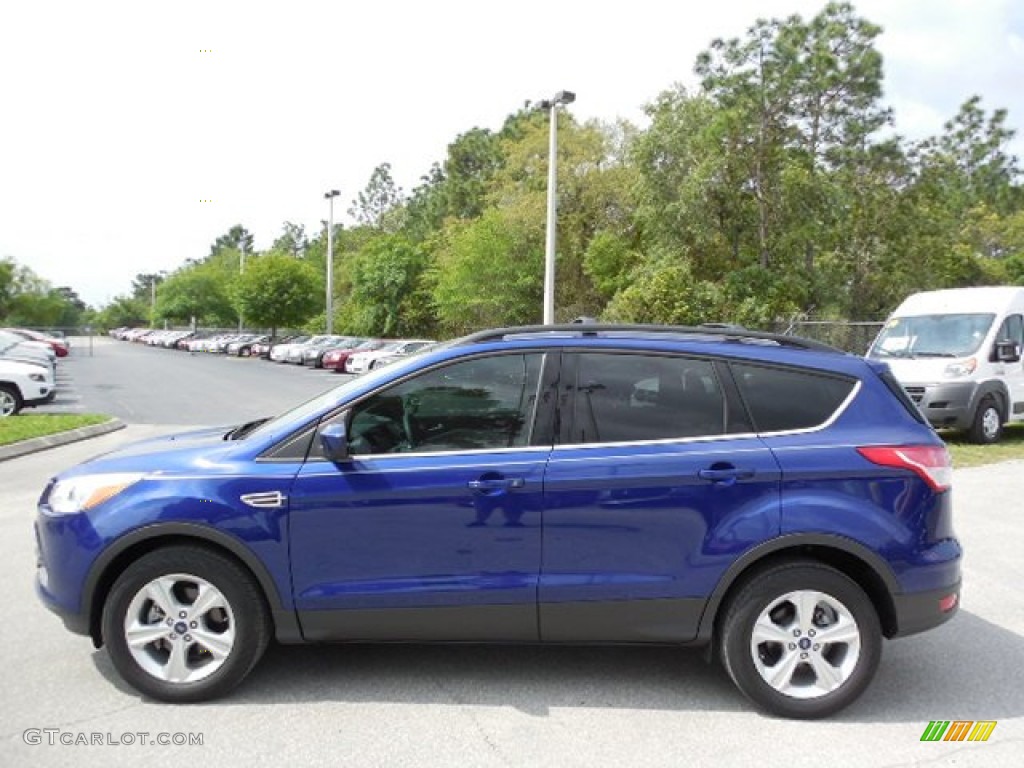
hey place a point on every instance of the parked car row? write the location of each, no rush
(28, 369)
(339, 353)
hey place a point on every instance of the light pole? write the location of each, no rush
(562, 97)
(330, 258)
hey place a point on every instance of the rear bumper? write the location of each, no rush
(920, 611)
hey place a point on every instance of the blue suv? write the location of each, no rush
(773, 499)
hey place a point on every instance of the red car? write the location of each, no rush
(59, 346)
(335, 358)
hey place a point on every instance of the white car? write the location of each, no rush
(361, 362)
(279, 352)
(24, 385)
(295, 351)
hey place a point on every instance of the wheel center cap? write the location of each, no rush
(805, 643)
(181, 627)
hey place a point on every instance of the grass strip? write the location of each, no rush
(14, 429)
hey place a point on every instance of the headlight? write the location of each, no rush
(78, 494)
(961, 368)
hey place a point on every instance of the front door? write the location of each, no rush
(431, 530)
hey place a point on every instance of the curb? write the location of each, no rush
(36, 444)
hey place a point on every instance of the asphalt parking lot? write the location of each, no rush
(148, 385)
(486, 706)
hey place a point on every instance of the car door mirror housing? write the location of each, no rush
(1007, 351)
(334, 439)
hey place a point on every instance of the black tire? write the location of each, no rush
(757, 595)
(247, 610)
(10, 401)
(987, 425)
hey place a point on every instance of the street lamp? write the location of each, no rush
(329, 196)
(562, 97)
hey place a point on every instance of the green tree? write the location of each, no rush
(292, 240)
(142, 284)
(28, 300)
(384, 299)
(278, 291)
(378, 204)
(473, 158)
(489, 273)
(8, 269)
(237, 238)
(196, 292)
(123, 312)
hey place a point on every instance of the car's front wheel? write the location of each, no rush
(10, 401)
(801, 640)
(987, 425)
(185, 623)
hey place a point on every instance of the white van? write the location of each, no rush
(957, 353)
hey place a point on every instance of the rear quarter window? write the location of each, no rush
(783, 399)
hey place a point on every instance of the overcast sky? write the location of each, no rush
(118, 120)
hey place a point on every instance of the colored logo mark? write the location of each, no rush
(958, 730)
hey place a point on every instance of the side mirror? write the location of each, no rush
(334, 439)
(1007, 351)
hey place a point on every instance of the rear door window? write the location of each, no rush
(631, 397)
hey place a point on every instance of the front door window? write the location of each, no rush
(479, 404)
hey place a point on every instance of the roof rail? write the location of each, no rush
(734, 334)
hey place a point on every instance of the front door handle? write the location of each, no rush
(725, 475)
(496, 483)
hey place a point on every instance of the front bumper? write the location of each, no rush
(74, 621)
(945, 405)
(41, 395)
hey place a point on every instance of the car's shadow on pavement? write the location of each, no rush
(963, 670)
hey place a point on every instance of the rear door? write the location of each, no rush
(658, 484)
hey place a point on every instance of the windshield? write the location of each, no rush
(8, 340)
(932, 336)
(321, 402)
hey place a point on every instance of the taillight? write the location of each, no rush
(931, 462)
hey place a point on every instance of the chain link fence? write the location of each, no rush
(854, 337)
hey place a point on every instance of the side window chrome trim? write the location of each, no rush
(660, 441)
(425, 454)
(754, 448)
(836, 414)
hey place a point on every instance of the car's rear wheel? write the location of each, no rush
(987, 426)
(10, 401)
(185, 623)
(801, 640)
